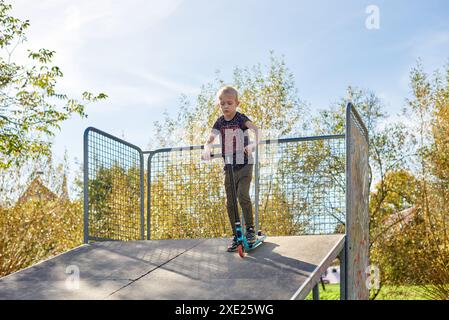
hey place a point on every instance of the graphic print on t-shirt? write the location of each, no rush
(233, 142)
(234, 137)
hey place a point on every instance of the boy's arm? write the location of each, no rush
(207, 146)
(211, 139)
(254, 128)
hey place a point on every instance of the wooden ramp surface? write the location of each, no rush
(282, 268)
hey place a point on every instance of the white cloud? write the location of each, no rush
(431, 47)
(127, 98)
(73, 28)
(166, 84)
(97, 17)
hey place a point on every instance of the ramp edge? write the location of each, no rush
(314, 277)
(45, 260)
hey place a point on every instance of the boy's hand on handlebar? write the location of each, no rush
(249, 149)
(206, 156)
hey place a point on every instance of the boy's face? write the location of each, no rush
(228, 103)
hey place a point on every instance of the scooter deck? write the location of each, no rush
(260, 240)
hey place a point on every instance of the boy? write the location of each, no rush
(232, 127)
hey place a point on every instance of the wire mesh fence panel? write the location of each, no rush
(301, 190)
(187, 198)
(113, 188)
(302, 186)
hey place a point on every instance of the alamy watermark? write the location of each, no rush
(72, 281)
(372, 22)
(373, 277)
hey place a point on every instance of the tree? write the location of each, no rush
(268, 96)
(29, 108)
(390, 153)
(430, 104)
(36, 228)
(409, 228)
(393, 200)
(114, 202)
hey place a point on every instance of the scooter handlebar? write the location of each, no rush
(226, 155)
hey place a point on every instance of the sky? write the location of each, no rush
(144, 54)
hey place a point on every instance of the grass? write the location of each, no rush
(332, 292)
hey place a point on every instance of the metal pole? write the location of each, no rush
(142, 198)
(233, 191)
(256, 189)
(346, 291)
(316, 292)
(149, 196)
(342, 258)
(86, 186)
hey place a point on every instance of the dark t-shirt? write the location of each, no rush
(233, 138)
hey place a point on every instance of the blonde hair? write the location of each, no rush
(227, 90)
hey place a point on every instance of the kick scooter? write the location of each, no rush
(243, 245)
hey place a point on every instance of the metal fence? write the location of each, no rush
(301, 184)
(298, 188)
(113, 188)
(307, 185)
(185, 195)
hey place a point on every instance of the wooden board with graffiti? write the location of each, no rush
(357, 214)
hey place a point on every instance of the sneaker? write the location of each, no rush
(234, 245)
(251, 236)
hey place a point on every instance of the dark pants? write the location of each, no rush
(242, 180)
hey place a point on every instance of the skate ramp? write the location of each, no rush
(282, 268)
